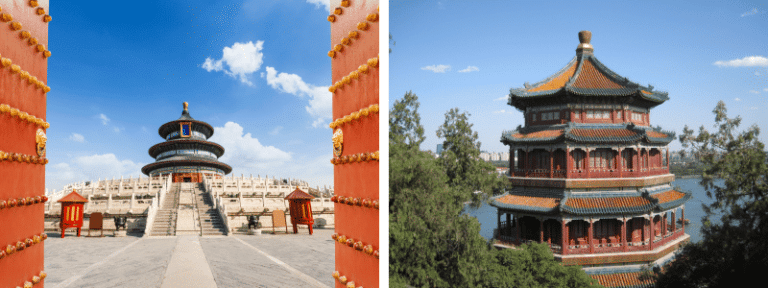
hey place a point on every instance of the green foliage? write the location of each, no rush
(405, 122)
(461, 157)
(733, 251)
(432, 244)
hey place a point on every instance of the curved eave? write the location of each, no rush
(605, 209)
(517, 96)
(174, 125)
(615, 139)
(162, 164)
(662, 140)
(675, 203)
(522, 208)
(506, 137)
(169, 145)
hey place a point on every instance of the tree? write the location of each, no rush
(461, 157)
(733, 251)
(405, 122)
(431, 243)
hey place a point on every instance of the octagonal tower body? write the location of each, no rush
(186, 155)
(591, 177)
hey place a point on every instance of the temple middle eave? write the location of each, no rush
(626, 133)
(592, 204)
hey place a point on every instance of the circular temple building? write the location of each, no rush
(591, 177)
(186, 154)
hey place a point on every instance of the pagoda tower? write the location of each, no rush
(591, 177)
(186, 155)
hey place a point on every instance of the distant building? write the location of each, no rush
(186, 155)
(439, 149)
(592, 180)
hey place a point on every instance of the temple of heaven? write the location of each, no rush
(591, 178)
(186, 155)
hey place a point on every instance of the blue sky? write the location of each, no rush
(257, 71)
(468, 54)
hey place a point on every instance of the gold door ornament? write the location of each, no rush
(40, 139)
(338, 139)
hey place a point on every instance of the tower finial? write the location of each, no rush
(584, 38)
(186, 105)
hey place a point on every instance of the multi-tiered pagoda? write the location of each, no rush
(186, 155)
(591, 177)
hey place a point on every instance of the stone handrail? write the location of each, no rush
(151, 212)
(155, 206)
(217, 203)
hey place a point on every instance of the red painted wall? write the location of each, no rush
(359, 179)
(18, 179)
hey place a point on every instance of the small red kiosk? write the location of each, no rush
(301, 209)
(72, 212)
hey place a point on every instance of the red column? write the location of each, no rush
(674, 221)
(551, 163)
(619, 164)
(667, 160)
(568, 162)
(590, 237)
(682, 218)
(624, 235)
(586, 164)
(636, 162)
(617, 161)
(653, 234)
(541, 231)
(564, 234)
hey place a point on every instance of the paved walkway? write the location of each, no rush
(191, 261)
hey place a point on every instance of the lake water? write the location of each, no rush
(486, 214)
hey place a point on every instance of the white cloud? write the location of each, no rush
(757, 73)
(320, 99)
(754, 91)
(502, 98)
(244, 151)
(753, 108)
(77, 138)
(765, 89)
(470, 69)
(116, 129)
(242, 59)
(744, 62)
(437, 68)
(276, 130)
(754, 11)
(737, 99)
(90, 168)
(104, 119)
(326, 3)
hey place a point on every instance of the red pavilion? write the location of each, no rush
(591, 177)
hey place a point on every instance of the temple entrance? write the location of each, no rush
(187, 177)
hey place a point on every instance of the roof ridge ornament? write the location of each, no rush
(584, 46)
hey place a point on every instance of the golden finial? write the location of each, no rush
(186, 105)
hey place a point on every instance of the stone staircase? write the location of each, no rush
(165, 219)
(210, 220)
